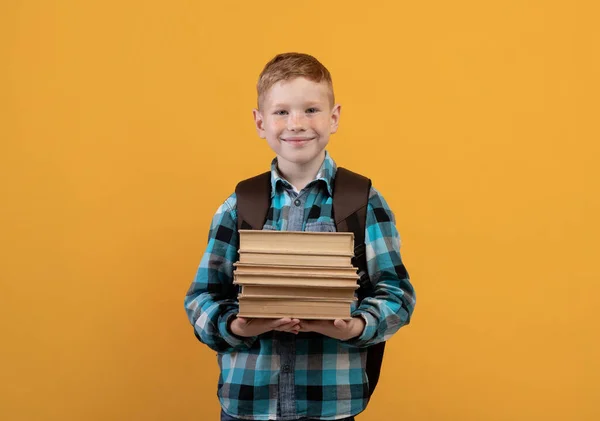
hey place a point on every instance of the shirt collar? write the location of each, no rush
(326, 174)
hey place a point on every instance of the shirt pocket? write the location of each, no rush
(320, 226)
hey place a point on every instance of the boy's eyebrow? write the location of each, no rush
(306, 104)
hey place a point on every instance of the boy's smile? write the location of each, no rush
(296, 117)
(297, 141)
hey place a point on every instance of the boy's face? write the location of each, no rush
(296, 118)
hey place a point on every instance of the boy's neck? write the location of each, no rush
(299, 175)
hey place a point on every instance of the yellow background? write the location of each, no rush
(124, 124)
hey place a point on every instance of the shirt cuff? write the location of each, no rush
(368, 332)
(232, 339)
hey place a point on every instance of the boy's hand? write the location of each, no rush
(254, 327)
(337, 329)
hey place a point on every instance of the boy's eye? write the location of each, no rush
(280, 112)
(312, 110)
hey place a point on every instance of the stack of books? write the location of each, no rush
(304, 275)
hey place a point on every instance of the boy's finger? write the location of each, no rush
(340, 324)
(280, 322)
(287, 327)
(311, 326)
(306, 323)
(288, 320)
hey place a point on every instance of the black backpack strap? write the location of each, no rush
(253, 201)
(350, 201)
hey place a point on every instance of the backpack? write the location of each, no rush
(350, 199)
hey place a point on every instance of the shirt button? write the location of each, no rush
(297, 202)
(285, 368)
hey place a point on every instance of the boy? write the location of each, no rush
(291, 369)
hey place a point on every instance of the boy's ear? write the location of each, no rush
(335, 117)
(259, 123)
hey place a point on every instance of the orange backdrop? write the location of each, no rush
(124, 124)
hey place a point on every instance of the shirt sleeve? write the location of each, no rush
(211, 300)
(392, 302)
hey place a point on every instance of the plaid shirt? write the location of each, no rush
(279, 375)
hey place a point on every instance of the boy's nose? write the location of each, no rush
(296, 122)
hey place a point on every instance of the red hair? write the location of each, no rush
(289, 66)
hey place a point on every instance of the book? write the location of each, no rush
(305, 275)
(300, 308)
(287, 258)
(308, 280)
(298, 242)
(257, 268)
(249, 290)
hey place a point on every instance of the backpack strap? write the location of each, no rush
(253, 201)
(350, 199)
(350, 202)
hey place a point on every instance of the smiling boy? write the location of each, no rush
(290, 369)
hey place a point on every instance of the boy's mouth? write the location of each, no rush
(297, 140)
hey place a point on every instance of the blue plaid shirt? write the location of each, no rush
(279, 375)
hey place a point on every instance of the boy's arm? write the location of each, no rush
(392, 303)
(211, 300)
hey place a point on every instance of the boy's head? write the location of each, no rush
(296, 111)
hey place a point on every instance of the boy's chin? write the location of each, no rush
(302, 159)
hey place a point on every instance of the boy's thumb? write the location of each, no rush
(340, 324)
